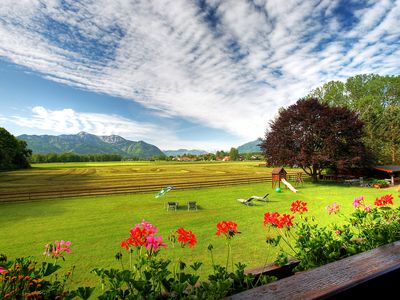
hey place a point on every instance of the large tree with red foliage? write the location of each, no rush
(315, 136)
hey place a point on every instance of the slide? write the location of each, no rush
(289, 185)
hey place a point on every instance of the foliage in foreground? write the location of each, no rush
(313, 245)
(150, 277)
(147, 277)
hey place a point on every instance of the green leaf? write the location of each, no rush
(49, 268)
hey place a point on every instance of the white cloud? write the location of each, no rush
(164, 55)
(68, 121)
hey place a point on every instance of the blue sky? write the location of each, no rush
(203, 74)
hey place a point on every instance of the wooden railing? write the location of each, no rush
(370, 274)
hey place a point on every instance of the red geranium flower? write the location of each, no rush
(285, 220)
(271, 218)
(143, 235)
(384, 200)
(275, 219)
(228, 228)
(125, 245)
(299, 206)
(186, 237)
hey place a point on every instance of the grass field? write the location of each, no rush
(61, 180)
(96, 225)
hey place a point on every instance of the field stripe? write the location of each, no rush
(124, 189)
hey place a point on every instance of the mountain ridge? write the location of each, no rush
(86, 143)
(250, 146)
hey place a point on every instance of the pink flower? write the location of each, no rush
(57, 249)
(333, 208)
(358, 201)
(338, 232)
(367, 208)
(143, 235)
(150, 228)
(154, 242)
(2, 270)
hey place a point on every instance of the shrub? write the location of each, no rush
(150, 277)
(380, 182)
(315, 245)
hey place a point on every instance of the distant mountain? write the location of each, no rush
(184, 151)
(250, 146)
(86, 143)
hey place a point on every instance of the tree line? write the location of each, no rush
(233, 154)
(376, 101)
(341, 126)
(73, 157)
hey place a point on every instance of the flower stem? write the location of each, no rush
(229, 253)
(130, 259)
(288, 244)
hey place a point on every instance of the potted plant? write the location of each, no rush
(379, 183)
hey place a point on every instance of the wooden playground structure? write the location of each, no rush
(280, 173)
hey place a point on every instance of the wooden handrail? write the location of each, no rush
(374, 272)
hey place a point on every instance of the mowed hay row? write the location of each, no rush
(136, 179)
(81, 181)
(34, 179)
(65, 193)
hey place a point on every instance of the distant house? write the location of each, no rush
(225, 158)
(184, 158)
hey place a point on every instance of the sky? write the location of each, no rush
(194, 74)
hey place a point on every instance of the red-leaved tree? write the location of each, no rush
(315, 136)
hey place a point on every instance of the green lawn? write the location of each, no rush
(96, 225)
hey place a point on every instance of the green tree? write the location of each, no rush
(221, 153)
(14, 153)
(314, 136)
(375, 99)
(234, 154)
(390, 132)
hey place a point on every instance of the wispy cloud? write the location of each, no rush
(224, 64)
(69, 121)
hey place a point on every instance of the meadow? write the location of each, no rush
(97, 225)
(59, 180)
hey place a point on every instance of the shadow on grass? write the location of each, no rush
(18, 212)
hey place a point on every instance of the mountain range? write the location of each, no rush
(86, 143)
(250, 146)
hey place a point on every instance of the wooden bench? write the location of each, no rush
(374, 273)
